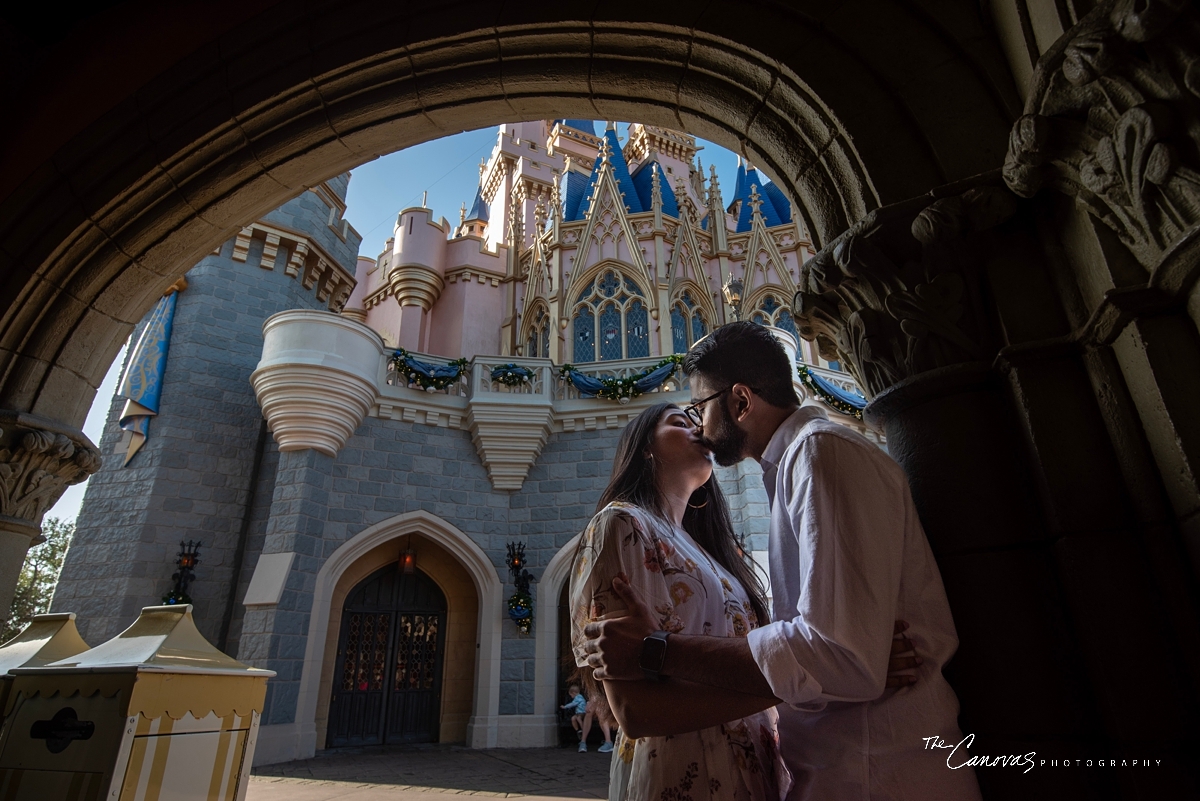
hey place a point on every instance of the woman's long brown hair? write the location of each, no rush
(634, 481)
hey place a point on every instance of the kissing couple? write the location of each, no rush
(822, 697)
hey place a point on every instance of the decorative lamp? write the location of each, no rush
(520, 604)
(185, 562)
(408, 560)
(733, 296)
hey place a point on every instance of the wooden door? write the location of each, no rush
(388, 676)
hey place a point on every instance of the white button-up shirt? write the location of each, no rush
(848, 557)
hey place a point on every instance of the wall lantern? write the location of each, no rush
(520, 604)
(408, 560)
(185, 562)
(733, 296)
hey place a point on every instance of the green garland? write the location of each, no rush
(806, 378)
(428, 383)
(520, 610)
(621, 390)
(512, 375)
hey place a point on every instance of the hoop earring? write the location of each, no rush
(699, 505)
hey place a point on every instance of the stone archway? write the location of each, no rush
(101, 210)
(341, 571)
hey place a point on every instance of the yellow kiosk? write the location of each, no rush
(47, 638)
(154, 714)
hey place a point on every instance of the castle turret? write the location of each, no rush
(416, 272)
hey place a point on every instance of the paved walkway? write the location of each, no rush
(429, 773)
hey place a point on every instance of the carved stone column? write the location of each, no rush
(39, 459)
(934, 305)
(1113, 122)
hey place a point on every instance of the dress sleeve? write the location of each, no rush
(616, 543)
(848, 515)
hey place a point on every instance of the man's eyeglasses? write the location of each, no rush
(696, 410)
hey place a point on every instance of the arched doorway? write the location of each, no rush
(388, 676)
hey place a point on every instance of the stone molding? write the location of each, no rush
(1113, 120)
(317, 379)
(416, 285)
(39, 459)
(896, 295)
(509, 431)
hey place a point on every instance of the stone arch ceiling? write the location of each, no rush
(146, 135)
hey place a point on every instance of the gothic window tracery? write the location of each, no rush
(687, 323)
(771, 312)
(611, 311)
(537, 342)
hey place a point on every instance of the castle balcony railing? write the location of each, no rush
(323, 374)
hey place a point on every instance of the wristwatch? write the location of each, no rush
(654, 655)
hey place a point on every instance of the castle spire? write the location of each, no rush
(656, 198)
(716, 214)
(755, 202)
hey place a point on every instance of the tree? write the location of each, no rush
(39, 575)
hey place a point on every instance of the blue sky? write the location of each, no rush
(448, 169)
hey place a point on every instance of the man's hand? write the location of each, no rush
(614, 646)
(904, 658)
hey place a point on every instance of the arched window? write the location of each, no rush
(687, 323)
(612, 311)
(538, 341)
(771, 312)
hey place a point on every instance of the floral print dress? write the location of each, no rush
(691, 594)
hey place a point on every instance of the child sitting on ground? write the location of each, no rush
(577, 706)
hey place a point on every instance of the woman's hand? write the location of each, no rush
(614, 646)
(904, 658)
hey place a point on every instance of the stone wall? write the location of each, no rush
(191, 479)
(389, 468)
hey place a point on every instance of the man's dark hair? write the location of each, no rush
(745, 353)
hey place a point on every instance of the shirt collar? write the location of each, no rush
(786, 434)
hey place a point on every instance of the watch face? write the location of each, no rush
(654, 651)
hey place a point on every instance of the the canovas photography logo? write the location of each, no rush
(958, 756)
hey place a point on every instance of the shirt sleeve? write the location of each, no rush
(847, 515)
(616, 543)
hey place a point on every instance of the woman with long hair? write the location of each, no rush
(663, 526)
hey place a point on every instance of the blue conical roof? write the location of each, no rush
(620, 171)
(479, 210)
(643, 181)
(587, 126)
(775, 209)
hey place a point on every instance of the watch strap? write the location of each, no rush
(654, 655)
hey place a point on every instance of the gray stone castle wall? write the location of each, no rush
(389, 468)
(191, 479)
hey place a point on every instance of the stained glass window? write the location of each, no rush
(538, 342)
(612, 311)
(699, 328)
(610, 332)
(637, 331)
(784, 320)
(679, 326)
(687, 323)
(609, 285)
(585, 335)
